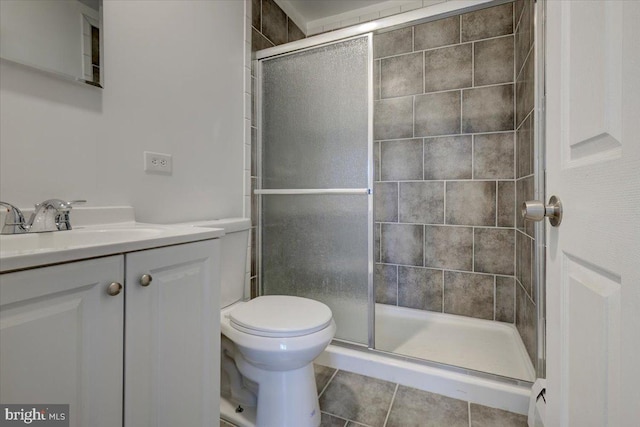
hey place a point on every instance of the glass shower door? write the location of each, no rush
(315, 178)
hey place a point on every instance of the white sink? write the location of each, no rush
(28, 250)
(58, 240)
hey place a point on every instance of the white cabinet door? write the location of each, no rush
(172, 336)
(593, 257)
(61, 337)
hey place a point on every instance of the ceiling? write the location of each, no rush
(312, 10)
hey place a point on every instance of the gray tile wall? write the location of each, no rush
(444, 197)
(526, 314)
(270, 26)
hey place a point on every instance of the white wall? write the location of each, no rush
(173, 81)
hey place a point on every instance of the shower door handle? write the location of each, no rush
(535, 210)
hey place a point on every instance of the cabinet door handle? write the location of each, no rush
(114, 289)
(146, 279)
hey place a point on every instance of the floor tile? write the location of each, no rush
(417, 408)
(358, 398)
(483, 416)
(323, 375)
(327, 420)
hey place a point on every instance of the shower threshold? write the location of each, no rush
(476, 344)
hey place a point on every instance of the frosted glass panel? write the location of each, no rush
(314, 118)
(316, 247)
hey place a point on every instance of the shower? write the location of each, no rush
(389, 167)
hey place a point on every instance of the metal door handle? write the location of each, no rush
(535, 210)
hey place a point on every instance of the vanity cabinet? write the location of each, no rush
(61, 339)
(172, 336)
(65, 339)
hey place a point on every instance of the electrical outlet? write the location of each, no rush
(158, 163)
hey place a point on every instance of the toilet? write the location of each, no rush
(268, 344)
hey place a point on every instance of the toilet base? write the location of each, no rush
(229, 413)
(285, 398)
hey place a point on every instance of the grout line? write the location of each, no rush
(469, 412)
(386, 419)
(512, 83)
(473, 249)
(397, 286)
(328, 382)
(446, 135)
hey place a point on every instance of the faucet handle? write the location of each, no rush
(58, 204)
(13, 221)
(52, 215)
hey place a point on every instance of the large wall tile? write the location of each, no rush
(468, 294)
(256, 14)
(448, 157)
(448, 247)
(401, 160)
(393, 118)
(493, 156)
(506, 204)
(526, 322)
(385, 201)
(524, 261)
(376, 79)
(524, 148)
(421, 202)
(393, 43)
(274, 22)
(376, 240)
(420, 288)
(385, 280)
(485, 23)
(401, 75)
(505, 299)
(293, 31)
(493, 61)
(438, 114)
(524, 35)
(525, 88)
(442, 32)
(402, 244)
(493, 250)
(471, 203)
(258, 41)
(487, 109)
(448, 68)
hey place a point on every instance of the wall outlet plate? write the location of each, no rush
(158, 163)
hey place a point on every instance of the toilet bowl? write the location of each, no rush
(276, 339)
(268, 345)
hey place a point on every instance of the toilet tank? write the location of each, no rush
(234, 245)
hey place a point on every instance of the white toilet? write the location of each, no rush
(268, 343)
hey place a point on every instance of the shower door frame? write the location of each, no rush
(368, 192)
(411, 18)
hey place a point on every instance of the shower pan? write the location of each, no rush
(390, 166)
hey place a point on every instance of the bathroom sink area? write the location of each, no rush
(20, 251)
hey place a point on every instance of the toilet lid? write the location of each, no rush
(280, 316)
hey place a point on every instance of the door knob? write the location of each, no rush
(145, 279)
(535, 210)
(114, 289)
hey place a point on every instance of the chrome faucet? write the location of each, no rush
(50, 215)
(13, 221)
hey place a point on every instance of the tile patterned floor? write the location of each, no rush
(352, 400)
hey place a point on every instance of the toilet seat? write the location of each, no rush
(280, 316)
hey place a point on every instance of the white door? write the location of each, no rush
(61, 339)
(593, 258)
(172, 336)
